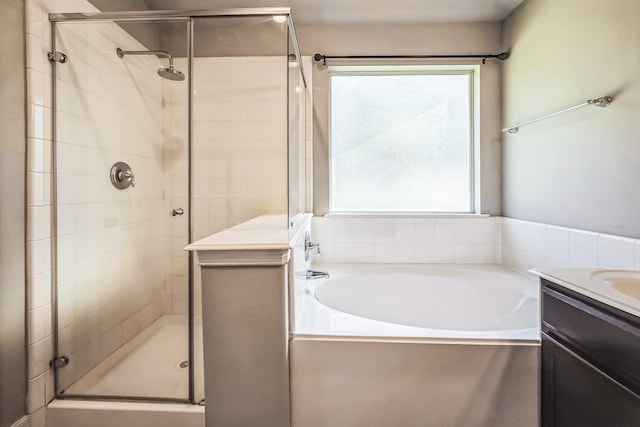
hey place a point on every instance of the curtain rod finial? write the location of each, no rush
(319, 57)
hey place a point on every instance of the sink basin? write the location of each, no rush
(623, 281)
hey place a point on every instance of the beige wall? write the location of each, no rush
(468, 38)
(580, 169)
(12, 213)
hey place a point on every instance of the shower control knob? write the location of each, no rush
(128, 176)
(178, 211)
(122, 176)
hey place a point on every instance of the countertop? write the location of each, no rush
(595, 284)
(263, 232)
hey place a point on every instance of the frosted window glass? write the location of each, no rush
(401, 143)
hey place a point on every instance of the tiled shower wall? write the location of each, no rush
(239, 152)
(240, 134)
(109, 240)
(39, 203)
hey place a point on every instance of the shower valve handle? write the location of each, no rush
(122, 176)
(128, 176)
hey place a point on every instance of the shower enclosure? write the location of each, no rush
(169, 127)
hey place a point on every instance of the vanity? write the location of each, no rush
(590, 347)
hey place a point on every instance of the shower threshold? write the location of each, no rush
(151, 365)
(76, 413)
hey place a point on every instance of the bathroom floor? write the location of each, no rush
(153, 364)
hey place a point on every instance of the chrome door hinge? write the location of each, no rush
(57, 57)
(59, 362)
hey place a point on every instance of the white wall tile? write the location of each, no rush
(425, 230)
(327, 253)
(563, 247)
(414, 239)
(39, 290)
(464, 231)
(111, 340)
(384, 252)
(583, 249)
(514, 233)
(36, 189)
(445, 231)
(425, 253)
(38, 418)
(38, 359)
(36, 393)
(485, 253)
(343, 230)
(557, 246)
(385, 230)
(365, 252)
(345, 252)
(465, 253)
(404, 253)
(365, 230)
(535, 239)
(446, 252)
(616, 252)
(486, 231)
(534, 261)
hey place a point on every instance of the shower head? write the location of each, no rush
(169, 73)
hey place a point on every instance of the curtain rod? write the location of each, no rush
(320, 57)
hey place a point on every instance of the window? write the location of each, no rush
(401, 140)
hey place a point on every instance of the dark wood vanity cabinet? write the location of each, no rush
(590, 362)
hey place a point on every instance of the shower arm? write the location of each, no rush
(160, 53)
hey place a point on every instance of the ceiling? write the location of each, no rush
(345, 11)
(213, 38)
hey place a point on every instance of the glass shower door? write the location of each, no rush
(122, 206)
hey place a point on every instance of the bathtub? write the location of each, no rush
(415, 345)
(422, 301)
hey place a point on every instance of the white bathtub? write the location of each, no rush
(427, 301)
(394, 345)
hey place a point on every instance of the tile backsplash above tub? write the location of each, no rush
(514, 243)
(527, 245)
(407, 240)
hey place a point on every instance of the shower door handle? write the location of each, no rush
(178, 211)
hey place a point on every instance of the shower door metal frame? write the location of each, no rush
(150, 16)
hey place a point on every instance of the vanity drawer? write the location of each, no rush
(609, 340)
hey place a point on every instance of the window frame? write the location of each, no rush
(473, 71)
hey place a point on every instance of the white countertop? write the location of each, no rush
(263, 232)
(593, 283)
